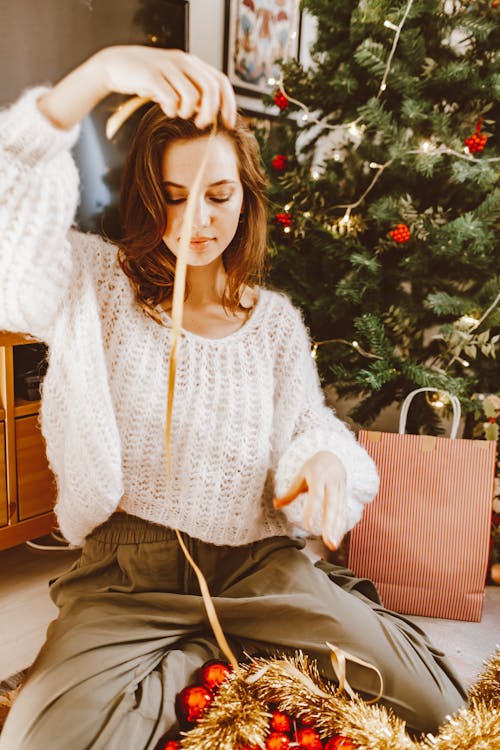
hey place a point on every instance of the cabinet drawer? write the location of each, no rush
(3, 478)
(35, 483)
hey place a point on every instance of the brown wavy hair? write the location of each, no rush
(143, 256)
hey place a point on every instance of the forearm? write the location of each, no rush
(67, 103)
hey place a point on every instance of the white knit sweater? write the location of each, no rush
(248, 408)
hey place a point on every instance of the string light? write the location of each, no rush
(315, 174)
(287, 230)
(288, 206)
(398, 30)
(354, 344)
(390, 25)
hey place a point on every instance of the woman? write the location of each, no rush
(249, 423)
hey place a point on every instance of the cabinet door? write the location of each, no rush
(35, 482)
(3, 478)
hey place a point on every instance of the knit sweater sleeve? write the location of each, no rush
(38, 198)
(307, 425)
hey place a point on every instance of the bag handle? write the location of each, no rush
(406, 405)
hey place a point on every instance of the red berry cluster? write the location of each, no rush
(477, 141)
(280, 100)
(280, 162)
(401, 233)
(285, 219)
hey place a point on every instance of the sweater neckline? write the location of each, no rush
(249, 324)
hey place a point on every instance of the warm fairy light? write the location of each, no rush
(463, 362)
(288, 206)
(383, 86)
(354, 130)
(426, 146)
(314, 352)
(468, 320)
(305, 117)
(315, 174)
(307, 214)
(346, 217)
(336, 156)
(286, 230)
(355, 344)
(375, 165)
(154, 39)
(390, 25)
(272, 81)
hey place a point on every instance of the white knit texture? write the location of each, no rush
(248, 408)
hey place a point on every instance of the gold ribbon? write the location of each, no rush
(339, 659)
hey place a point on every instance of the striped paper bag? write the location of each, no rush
(424, 539)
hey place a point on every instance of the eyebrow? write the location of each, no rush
(212, 184)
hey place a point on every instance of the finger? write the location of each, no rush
(187, 94)
(314, 500)
(298, 486)
(334, 515)
(209, 100)
(228, 102)
(205, 82)
(168, 98)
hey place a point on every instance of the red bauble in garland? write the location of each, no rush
(171, 745)
(280, 162)
(401, 233)
(477, 141)
(281, 722)
(213, 673)
(280, 100)
(339, 742)
(192, 702)
(309, 739)
(278, 741)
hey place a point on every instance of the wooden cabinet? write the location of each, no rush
(27, 487)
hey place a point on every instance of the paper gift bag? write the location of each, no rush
(424, 539)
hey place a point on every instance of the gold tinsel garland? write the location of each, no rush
(240, 712)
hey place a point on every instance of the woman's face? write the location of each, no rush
(219, 202)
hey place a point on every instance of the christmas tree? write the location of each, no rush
(385, 199)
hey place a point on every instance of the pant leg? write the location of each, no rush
(127, 639)
(285, 603)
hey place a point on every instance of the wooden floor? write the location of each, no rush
(25, 606)
(26, 610)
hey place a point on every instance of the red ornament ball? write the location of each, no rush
(401, 233)
(309, 739)
(280, 162)
(192, 702)
(339, 742)
(213, 673)
(281, 722)
(285, 219)
(171, 745)
(278, 741)
(280, 100)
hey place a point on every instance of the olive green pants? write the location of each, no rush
(132, 630)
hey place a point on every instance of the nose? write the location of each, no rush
(203, 213)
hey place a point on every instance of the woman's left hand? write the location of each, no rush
(324, 479)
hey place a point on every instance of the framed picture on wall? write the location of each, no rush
(257, 34)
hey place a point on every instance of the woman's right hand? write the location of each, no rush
(182, 84)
